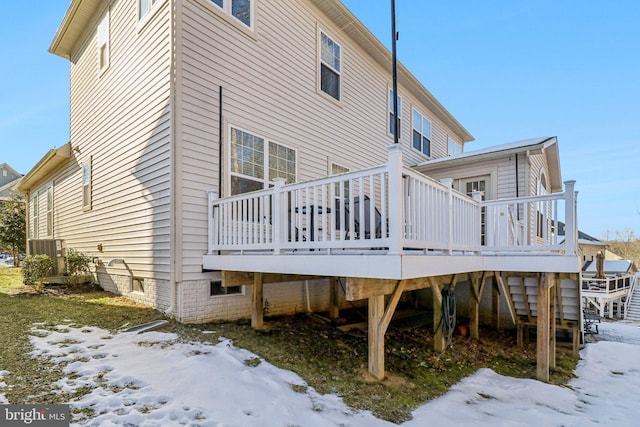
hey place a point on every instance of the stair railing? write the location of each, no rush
(634, 281)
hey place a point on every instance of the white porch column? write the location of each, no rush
(396, 200)
(570, 217)
(448, 182)
(279, 216)
(212, 195)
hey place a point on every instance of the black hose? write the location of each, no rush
(448, 313)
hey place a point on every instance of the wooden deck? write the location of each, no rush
(389, 229)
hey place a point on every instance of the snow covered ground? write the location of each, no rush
(152, 380)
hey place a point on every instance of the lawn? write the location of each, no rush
(327, 359)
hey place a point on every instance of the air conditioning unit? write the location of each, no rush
(55, 248)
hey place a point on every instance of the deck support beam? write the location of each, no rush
(379, 319)
(477, 286)
(257, 302)
(552, 341)
(439, 343)
(334, 300)
(546, 281)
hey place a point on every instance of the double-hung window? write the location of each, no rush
(392, 116)
(256, 162)
(421, 133)
(86, 185)
(242, 10)
(144, 6)
(36, 223)
(50, 212)
(102, 39)
(337, 170)
(329, 66)
(454, 147)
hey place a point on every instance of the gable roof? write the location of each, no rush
(82, 12)
(611, 267)
(10, 169)
(547, 145)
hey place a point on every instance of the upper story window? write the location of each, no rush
(454, 147)
(145, 6)
(103, 43)
(421, 133)
(256, 162)
(86, 185)
(329, 66)
(392, 121)
(242, 10)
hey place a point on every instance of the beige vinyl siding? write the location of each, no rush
(121, 119)
(269, 79)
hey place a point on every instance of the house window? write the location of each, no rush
(242, 10)
(50, 212)
(103, 43)
(4, 172)
(216, 289)
(421, 133)
(337, 170)
(256, 162)
(145, 6)
(86, 185)
(137, 284)
(392, 121)
(454, 147)
(34, 228)
(329, 66)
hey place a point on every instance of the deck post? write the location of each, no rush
(396, 200)
(542, 344)
(279, 216)
(552, 341)
(212, 195)
(376, 337)
(448, 183)
(334, 301)
(257, 302)
(495, 304)
(474, 308)
(439, 342)
(570, 226)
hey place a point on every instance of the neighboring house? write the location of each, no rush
(8, 180)
(588, 246)
(174, 98)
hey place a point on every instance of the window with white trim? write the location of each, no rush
(242, 10)
(144, 6)
(329, 66)
(86, 185)
(34, 227)
(454, 147)
(50, 211)
(102, 39)
(256, 162)
(421, 133)
(392, 122)
(336, 169)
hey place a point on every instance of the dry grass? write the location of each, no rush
(329, 360)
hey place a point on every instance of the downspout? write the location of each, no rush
(394, 72)
(173, 291)
(220, 157)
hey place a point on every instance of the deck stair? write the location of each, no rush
(523, 292)
(633, 307)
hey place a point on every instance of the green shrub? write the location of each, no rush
(35, 268)
(77, 265)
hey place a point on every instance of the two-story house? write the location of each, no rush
(8, 179)
(233, 157)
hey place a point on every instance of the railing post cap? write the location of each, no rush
(446, 181)
(279, 181)
(570, 183)
(393, 148)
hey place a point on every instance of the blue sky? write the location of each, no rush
(507, 70)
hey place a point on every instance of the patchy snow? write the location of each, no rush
(151, 379)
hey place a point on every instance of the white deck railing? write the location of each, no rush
(385, 209)
(608, 285)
